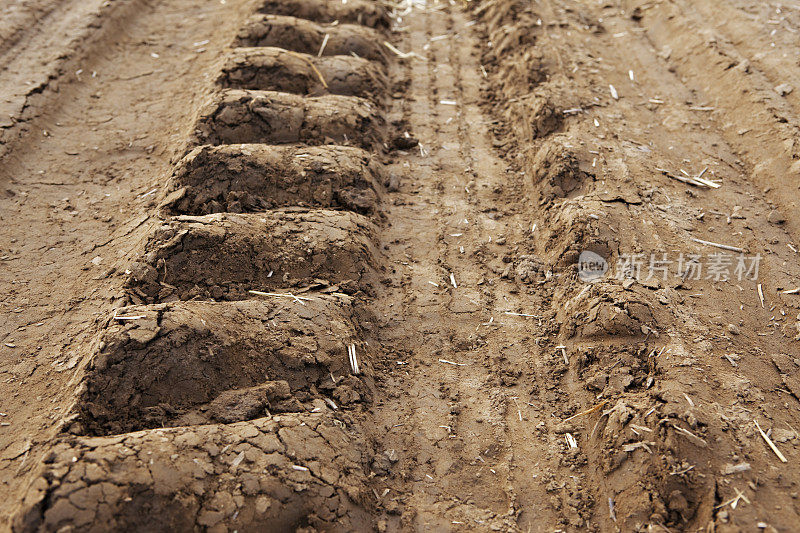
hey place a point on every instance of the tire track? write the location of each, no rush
(206, 353)
(351, 308)
(657, 430)
(460, 409)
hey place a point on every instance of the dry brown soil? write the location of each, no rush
(316, 265)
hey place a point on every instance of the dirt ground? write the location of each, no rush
(326, 265)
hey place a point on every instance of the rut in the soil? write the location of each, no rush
(612, 115)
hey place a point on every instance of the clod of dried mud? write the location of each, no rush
(304, 36)
(223, 256)
(607, 310)
(256, 177)
(192, 363)
(554, 171)
(275, 69)
(271, 474)
(240, 116)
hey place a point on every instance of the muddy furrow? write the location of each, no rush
(468, 407)
(610, 137)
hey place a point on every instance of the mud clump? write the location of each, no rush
(554, 172)
(241, 116)
(275, 69)
(256, 177)
(521, 77)
(354, 11)
(532, 117)
(516, 64)
(271, 474)
(192, 363)
(608, 311)
(650, 478)
(571, 230)
(529, 269)
(513, 25)
(251, 402)
(306, 37)
(223, 256)
(353, 76)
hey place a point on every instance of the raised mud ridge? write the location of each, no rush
(255, 177)
(645, 384)
(307, 37)
(193, 363)
(240, 116)
(276, 69)
(269, 474)
(225, 396)
(225, 255)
